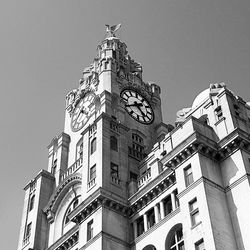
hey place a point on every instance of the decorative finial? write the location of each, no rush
(110, 30)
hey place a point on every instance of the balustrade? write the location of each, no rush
(72, 169)
(142, 180)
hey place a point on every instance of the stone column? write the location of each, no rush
(173, 201)
(162, 209)
(135, 229)
(156, 211)
(145, 220)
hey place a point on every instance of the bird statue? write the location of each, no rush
(110, 30)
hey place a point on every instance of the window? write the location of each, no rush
(133, 176)
(75, 203)
(151, 218)
(137, 138)
(67, 216)
(194, 212)
(167, 204)
(114, 170)
(137, 149)
(188, 175)
(149, 247)
(70, 208)
(93, 146)
(92, 172)
(80, 152)
(237, 110)
(200, 245)
(113, 143)
(177, 242)
(140, 226)
(53, 169)
(32, 200)
(218, 112)
(28, 231)
(90, 230)
(177, 202)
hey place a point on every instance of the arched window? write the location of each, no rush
(70, 208)
(175, 239)
(67, 216)
(93, 146)
(113, 143)
(32, 201)
(75, 203)
(149, 247)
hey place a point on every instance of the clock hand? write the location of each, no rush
(134, 104)
(81, 113)
(139, 107)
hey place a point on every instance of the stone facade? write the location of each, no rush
(116, 180)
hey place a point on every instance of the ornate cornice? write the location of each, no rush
(100, 198)
(150, 192)
(67, 241)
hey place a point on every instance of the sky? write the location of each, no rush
(183, 46)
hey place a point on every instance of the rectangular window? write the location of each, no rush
(93, 146)
(140, 226)
(151, 218)
(200, 245)
(92, 172)
(167, 204)
(54, 166)
(113, 143)
(90, 230)
(237, 110)
(28, 231)
(188, 175)
(114, 171)
(218, 112)
(80, 151)
(177, 202)
(194, 212)
(32, 201)
(133, 176)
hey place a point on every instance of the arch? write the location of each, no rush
(174, 238)
(60, 192)
(149, 247)
(72, 205)
(62, 224)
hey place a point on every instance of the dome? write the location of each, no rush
(201, 98)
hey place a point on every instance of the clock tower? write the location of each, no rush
(118, 178)
(112, 120)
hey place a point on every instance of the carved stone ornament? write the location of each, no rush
(138, 87)
(87, 84)
(70, 100)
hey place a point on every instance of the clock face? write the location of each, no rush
(81, 113)
(137, 106)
